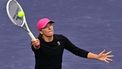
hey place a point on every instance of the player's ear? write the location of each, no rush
(41, 32)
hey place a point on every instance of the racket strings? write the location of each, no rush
(13, 9)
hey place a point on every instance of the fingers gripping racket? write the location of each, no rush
(13, 8)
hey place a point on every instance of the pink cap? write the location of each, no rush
(42, 23)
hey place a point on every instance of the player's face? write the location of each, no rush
(48, 30)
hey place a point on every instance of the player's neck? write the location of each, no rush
(48, 38)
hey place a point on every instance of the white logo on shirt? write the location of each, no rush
(58, 43)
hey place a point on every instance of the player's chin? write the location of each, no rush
(50, 34)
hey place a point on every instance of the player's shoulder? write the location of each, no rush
(59, 36)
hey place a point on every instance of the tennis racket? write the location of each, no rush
(13, 7)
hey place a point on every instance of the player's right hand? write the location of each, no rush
(36, 43)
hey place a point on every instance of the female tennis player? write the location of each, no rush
(48, 48)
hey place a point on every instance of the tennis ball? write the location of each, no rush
(21, 14)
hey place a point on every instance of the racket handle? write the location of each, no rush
(31, 35)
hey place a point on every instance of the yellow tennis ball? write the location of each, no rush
(21, 14)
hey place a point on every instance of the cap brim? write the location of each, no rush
(51, 22)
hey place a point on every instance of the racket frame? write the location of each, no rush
(24, 24)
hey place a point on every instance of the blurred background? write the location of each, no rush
(92, 25)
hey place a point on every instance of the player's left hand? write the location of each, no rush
(105, 56)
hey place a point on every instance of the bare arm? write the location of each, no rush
(102, 56)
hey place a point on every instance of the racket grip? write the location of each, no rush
(31, 35)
